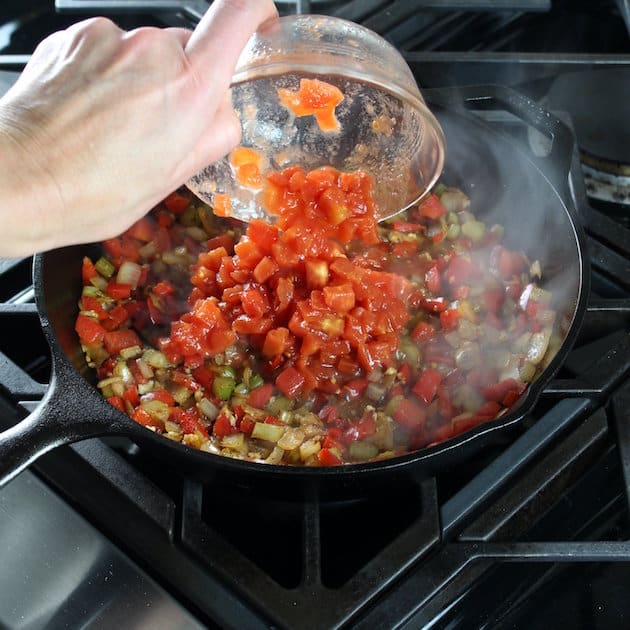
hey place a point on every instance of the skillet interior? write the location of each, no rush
(504, 186)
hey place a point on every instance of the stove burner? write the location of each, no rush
(606, 181)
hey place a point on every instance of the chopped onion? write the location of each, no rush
(538, 346)
(129, 273)
(208, 408)
(235, 442)
(291, 439)
(155, 358)
(144, 367)
(109, 381)
(275, 457)
(375, 391)
(309, 448)
(157, 409)
(131, 352)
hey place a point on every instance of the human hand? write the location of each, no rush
(102, 124)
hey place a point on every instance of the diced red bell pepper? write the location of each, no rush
(118, 291)
(427, 385)
(259, 397)
(222, 426)
(176, 203)
(432, 207)
(449, 319)
(327, 457)
(433, 280)
(117, 340)
(422, 332)
(499, 391)
(409, 414)
(290, 382)
(118, 402)
(88, 271)
(89, 330)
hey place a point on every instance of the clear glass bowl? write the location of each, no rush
(385, 129)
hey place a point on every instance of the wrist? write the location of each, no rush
(28, 208)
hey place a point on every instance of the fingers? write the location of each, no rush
(222, 34)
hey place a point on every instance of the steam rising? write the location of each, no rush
(505, 188)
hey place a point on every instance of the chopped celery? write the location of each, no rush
(105, 267)
(226, 371)
(474, 230)
(453, 231)
(91, 291)
(278, 404)
(256, 380)
(223, 386)
(439, 188)
(241, 389)
(268, 432)
(362, 450)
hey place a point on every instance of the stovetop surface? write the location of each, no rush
(531, 534)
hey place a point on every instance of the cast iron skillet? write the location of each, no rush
(505, 186)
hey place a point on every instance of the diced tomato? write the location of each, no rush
(464, 422)
(339, 298)
(222, 205)
(314, 97)
(116, 317)
(404, 249)
(163, 289)
(254, 303)
(276, 342)
(265, 268)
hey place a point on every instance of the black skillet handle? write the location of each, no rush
(557, 163)
(65, 415)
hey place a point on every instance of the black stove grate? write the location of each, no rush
(526, 535)
(474, 543)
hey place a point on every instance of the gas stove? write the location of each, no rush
(533, 533)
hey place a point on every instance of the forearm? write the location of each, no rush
(29, 198)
